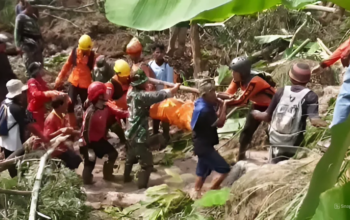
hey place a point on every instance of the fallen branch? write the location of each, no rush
(324, 47)
(272, 66)
(321, 8)
(299, 49)
(61, 9)
(15, 192)
(84, 6)
(297, 31)
(62, 19)
(55, 142)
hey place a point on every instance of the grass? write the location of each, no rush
(7, 15)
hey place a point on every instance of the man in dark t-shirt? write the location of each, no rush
(299, 75)
(204, 125)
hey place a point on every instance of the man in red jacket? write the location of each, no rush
(342, 105)
(94, 131)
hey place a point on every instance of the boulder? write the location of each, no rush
(272, 190)
(329, 93)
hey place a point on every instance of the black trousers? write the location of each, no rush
(12, 170)
(101, 148)
(73, 93)
(248, 131)
(166, 127)
(71, 159)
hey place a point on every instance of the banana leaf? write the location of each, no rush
(160, 15)
(326, 172)
(334, 204)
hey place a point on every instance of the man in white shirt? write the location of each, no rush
(17, 121)
(163, 71)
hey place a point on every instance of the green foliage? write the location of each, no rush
(7, 14)
(160, 15)
(327, 170)
(214, 198)
(334, 204)
(225, 75)
(60, 197)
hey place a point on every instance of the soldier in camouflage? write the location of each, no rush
(28, 36)
(139, 102)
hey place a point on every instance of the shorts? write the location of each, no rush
(209, 162)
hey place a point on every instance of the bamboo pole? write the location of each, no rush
(321, 8)
(184, 88)
(15, 192)
(55, 142)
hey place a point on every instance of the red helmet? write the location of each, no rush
(95, 90)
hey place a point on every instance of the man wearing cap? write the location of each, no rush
(204, 124)
(299, 75)
(17, 121)
(6, 71)
(139, 101)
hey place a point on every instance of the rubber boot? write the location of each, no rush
(87, 175)
(143, 178)
(127, 173)
(108, 170)
(72, 120)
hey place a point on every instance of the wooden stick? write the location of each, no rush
(62, 19)
(16, 192)
(296, 32)
(61, 9)
(320, 8)
(324, 47)
(184, 88)
(55, 142)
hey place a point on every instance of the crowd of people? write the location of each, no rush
(113, 93)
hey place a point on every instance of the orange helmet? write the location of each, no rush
(134, 47)
(95, 90)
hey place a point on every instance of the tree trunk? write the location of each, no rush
(196, 49)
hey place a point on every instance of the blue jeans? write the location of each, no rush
(342, 105)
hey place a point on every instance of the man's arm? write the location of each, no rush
(117, 112)
(267, 115)
(340, 52)
(150, 98)
(20, 116)
(312, 110)
(18, 31)
(222, 117)
(64, 72)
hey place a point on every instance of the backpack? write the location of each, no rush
(265, 76)
(285, 125)
(4, 129)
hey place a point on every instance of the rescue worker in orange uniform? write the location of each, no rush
(81, 61)
(256, 90)
(117, 89)
(38, 94)
(94, 130)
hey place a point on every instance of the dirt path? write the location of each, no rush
(104, 193)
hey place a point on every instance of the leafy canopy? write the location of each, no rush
(160, 15)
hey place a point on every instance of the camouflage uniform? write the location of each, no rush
(139, 102)
(28, 38)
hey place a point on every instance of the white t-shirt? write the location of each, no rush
(12, 142)
(163, 72)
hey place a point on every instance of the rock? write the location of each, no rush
(122, 200)
(94, 205)
(280, 74)
(268, 190)
(239, 169)
(329, 92)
